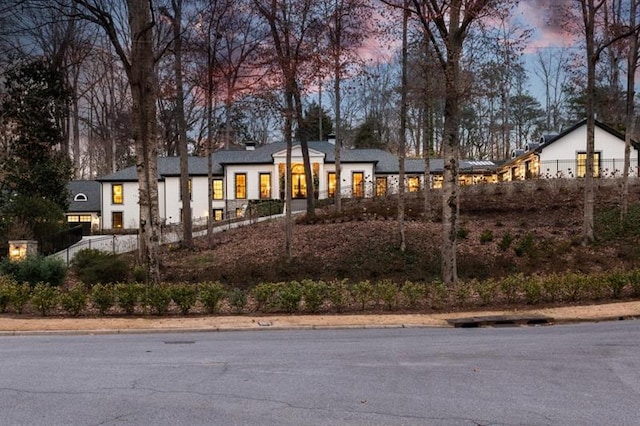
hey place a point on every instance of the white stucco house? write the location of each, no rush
(564, 155)
(254, 174)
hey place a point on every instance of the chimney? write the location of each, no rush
(250, 145)
(331, 138)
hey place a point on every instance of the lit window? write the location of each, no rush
(117, 220)
(358, 184)
(218, 215)
(265, 186)
(331, 187)
(581, 167)
(216, 189)
(241, 185)
(117, 193)
(413, 183)
(381, 186)
(80, 197)
(73, 218)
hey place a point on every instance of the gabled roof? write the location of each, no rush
(579, 124)
(90, 189)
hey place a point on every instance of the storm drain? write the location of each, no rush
(500, 321)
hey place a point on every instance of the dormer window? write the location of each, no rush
(80, 197)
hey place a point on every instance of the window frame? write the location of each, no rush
(215, 190)
(117, 199)
(380, 190)
(114, 214)
(264, 193)
(240, 191)
(331, 184)
(357, 191)
(581, 164)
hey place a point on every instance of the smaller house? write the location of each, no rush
(564, 155)
(84, 205)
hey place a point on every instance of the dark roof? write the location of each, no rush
(579, 124)
(89, 188)
(385, 162)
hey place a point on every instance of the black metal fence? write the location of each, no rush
(60, 241)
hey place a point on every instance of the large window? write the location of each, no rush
(216, 189)
(117, 194)
(413, 183)
(381, 186)
(581, 167)
(265, 186)
(241, 186)
(358, 184)
(331, 184)
(218, 215)
(117, 220)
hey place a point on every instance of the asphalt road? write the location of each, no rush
(583, 374)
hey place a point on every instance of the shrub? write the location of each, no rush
(102, 297)
(437, 294)
(237, 299)
(617, 281)
(338, 294)
(362, 293)
(94, 266)
(552, 286)
(486, 291)
(140, 274)
(510, 287)
(289, 297)
(486, 236)
(462, 233)
(526, 246)
(264, 295)
(532, 289)
(158, 298)
(7, 283)
(634, 280)
(386, 291)
(20, 295)
(412, 293)
(314, 294)
(44, 298)
(506, 241)
(574, 286)
(74, 300)
(184, 295)
(36, 269)
(128, 296)
(211, 294)
(462, 292)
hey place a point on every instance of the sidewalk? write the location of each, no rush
(17, 325)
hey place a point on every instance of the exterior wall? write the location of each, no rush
(559, 158)
(129, 207)
(346, 186)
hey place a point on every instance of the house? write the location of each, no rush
(240, 176)
(84, 205)
(564, 155)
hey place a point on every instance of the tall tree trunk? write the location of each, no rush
(304, 146)
(632, 62)
(185, 193)
(288, 129)
(589, 12)
(403, 131)
(143, 92)
(338, 141)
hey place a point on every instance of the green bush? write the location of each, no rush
(486, 236)
(128, 295)
(506, 241)
(462, 233)
(526, 246)
(462, 292)
(211, 293)
(314, 294)
(289, 297)
(634, 281)
(94, 266)
(102, 297)
(264, 295)
(237, 299)
(510, 287)
(158, 298)
(486, 291)
(74, 300)
(437, 294)
(574, 286)
(553, 287)
(44, 298)
(184, 295)
(36, 269)
(412, 293)
(20, 295)
(338, 294)
(386, 292)
(7, 283)
(532, 289)
(617, 281)
(362, 293)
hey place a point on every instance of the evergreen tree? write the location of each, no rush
(34, 109)
(310, 125)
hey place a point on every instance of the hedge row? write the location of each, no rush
(310, 296)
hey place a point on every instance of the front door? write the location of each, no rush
(298, 181)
